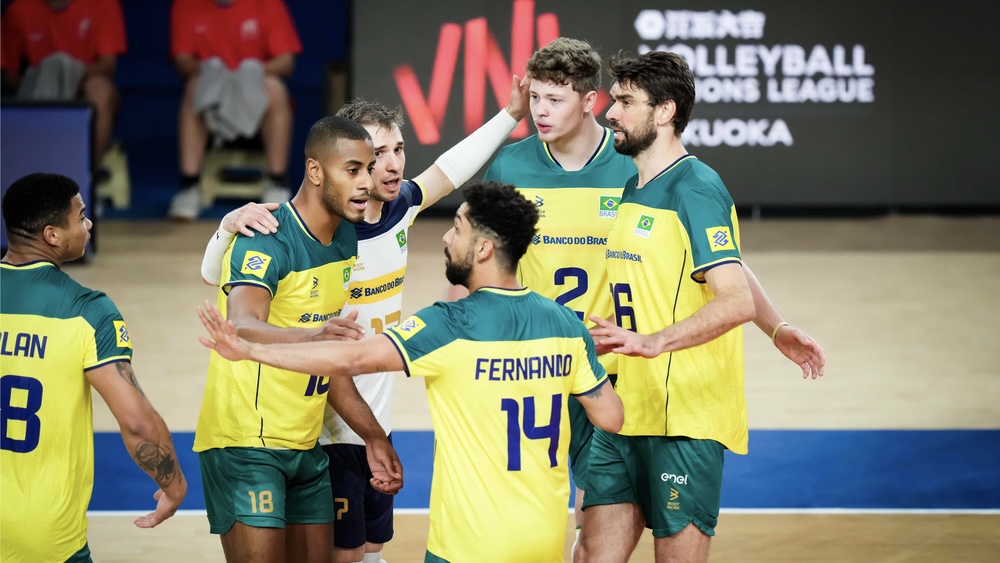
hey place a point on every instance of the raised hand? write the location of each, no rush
(518, 107)
(224, 339)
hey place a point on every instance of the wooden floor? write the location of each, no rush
(906, 308)
(740, 538)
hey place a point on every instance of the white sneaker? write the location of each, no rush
(276, 194)
(185, 205)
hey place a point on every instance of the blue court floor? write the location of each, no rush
(786, 469)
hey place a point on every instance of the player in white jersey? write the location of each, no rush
(364, 515)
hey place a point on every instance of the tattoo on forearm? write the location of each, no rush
(126, 373)
(158, 461)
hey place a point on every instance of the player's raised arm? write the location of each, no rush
(146, 436)
(794, 343)
(459, 163)
(326, 358)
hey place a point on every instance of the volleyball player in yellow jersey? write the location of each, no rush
(57, 340)
(499, 367)
(267, 490)
(680, 297)
(575, 177)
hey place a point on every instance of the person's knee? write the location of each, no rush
(277, 92)
(101, 91)
(187, 101)
(348, 555)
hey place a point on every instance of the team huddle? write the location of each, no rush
(593, 327)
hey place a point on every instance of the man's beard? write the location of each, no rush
(458, 274)
(635, 143)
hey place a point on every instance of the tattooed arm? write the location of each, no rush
(603, 407)
(146, 436)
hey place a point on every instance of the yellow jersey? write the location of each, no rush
(52, 330)
(247, 404)
(667, 234)
(499, 367)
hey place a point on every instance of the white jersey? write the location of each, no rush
(376, 293)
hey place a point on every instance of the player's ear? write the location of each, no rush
(589, 101)
(484, 249)
(665, 112)
(51, 235)
(314, 171)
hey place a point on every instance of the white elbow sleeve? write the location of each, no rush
(211, 264)
(460, 162)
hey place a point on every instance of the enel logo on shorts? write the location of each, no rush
(675, 479)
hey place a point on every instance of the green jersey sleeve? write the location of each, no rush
(111, 338)
(260, 260)
(709, 217)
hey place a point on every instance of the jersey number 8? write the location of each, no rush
(24, 412)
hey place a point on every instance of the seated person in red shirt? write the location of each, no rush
(66, 49)
(229, 34)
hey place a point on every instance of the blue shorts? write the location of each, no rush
(362, 513)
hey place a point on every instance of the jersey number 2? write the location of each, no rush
(531, 432)
(570, 294)
(25, 412)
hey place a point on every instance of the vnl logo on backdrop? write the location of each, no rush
(484, 63)
(752, 72)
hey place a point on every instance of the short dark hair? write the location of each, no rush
(567, 61)
(663, 76)
(499, 212)
(372, 113)
(37, 201)
(325, 133)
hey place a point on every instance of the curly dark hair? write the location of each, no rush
(663, 76)
(497, 211)
(37, 201)
(372, 113)
(567, 61)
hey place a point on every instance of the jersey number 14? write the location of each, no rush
(531, 431)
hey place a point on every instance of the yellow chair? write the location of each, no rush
(116, 187)
(235, 171)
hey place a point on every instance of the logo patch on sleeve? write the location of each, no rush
(255, 263)
(409, 327)
(719, 238)
(121, 335)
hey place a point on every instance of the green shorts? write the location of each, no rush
(265, 488)
(675, 481)
(581, 432)
(82, 556)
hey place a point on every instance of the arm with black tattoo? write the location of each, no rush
(146, 436)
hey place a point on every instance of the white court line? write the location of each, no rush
(758, 511)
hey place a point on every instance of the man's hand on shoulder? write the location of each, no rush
(251, 217)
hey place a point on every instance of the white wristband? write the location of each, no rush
(211, 264)
(463, 160)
